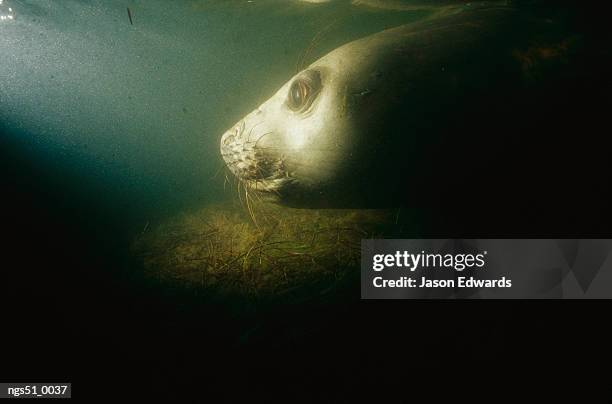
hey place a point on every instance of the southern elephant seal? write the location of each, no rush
(449, 109)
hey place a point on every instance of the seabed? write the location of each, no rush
(275, 252)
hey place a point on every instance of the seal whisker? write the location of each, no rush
(248, 205)
(230, 164)
(258, 139)
(238, 189)
(313, 43)
(248, 139)
(261, 137)
(225, 181)
(221, 167)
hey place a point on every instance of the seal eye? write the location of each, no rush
(298, 94)
(303, 91)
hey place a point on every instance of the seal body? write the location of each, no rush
(414, 114)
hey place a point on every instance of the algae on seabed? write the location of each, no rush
(223, 250)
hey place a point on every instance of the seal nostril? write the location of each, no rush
(230, 137)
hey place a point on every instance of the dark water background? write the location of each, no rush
(105, 126)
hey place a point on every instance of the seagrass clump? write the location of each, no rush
(277, 250)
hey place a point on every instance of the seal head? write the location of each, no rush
(387, 120)
(295, 144)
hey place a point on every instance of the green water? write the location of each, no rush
(133, 112)
(109, 128)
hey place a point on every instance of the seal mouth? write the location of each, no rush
(258, 168)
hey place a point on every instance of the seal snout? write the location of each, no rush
(247, 161)
(231, 135)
